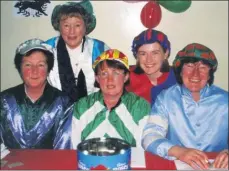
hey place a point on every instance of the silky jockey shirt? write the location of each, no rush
(72, 72)
(176, 119)
(141, 85)
(92, 119)
(25, 124)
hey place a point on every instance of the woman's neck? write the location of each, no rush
(111, 101)
(196, 96)
(153, 77)
(34, 93)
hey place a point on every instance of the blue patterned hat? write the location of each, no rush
(31, 44)
(150, 36)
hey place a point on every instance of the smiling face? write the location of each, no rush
(34, 70)
(151, 57)
(72, 29)
(111, 80)
(195, 76)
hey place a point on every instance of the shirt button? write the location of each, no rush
(198, 144)
(198, 124)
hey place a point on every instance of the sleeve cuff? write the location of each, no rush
(161, 148)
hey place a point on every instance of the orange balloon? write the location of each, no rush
(151, 14)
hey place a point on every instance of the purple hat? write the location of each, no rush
(150, 36)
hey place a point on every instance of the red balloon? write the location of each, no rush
(151, 14)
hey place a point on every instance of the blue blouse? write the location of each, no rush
(176, 119)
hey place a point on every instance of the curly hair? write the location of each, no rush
(71, 11)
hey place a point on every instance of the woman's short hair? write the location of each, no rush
(82, 9)
(178, 69)
(19, 57)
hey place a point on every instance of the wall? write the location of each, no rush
(118, 22)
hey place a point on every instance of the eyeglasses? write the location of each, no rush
(115, 74)
(203, 68)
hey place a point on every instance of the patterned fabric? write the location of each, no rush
(112, 54)
(92, 119)
(196, 50)
(176, 119)
(141, 85)
(31, 44)
(31, 125)
(150, 36)
(62, 76)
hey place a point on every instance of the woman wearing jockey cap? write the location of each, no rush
(110, 112)
(152, 73)
(74, 50)
(31, 111)
(191, 117)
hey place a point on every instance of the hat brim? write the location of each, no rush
(97, 62)
(26, 50)
(193, 57)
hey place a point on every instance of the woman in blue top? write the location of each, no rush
(74, 51)
(191, 117)
(31, 111)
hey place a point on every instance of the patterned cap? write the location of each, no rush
(196, 50)
(31, 44)
(83, 7)
(150, 36)
(112, 54)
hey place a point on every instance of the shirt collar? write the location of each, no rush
(101, 100)
(186, 92)
(75, 50)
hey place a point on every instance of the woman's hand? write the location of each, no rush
(195, 158)
(221, 160)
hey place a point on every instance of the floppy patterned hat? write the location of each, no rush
(31, 44)
(112, 54)
(83, 7)
(198, 51)
(150, 36)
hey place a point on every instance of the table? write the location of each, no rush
(67, 160)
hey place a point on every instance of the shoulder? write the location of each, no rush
(59, 94)
(52, 41)
(132, 68)
(88, 101)
(215, 90)
(132, 100)
(12, 90)
(136, 105)
(94, 40)
(171, 92)
(97, 42)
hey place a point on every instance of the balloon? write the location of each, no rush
(151, 14)
(134, 1)
(175, 6)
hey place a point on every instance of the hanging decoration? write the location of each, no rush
(151, 12)
(175, 6)
(35, 8)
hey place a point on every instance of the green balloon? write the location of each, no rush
(175, 6)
